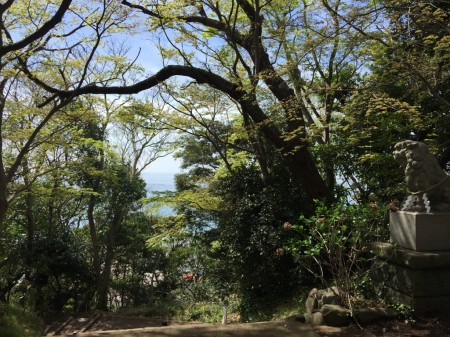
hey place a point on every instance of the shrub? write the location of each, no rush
(333, 244)
(16, 322)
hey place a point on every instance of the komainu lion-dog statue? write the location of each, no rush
(428, 184)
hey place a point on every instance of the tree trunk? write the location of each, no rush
(105, 277)
(31, 224)
(93, 234)
(301, 164)
(103, 284)
(255, 139)
(3, 202)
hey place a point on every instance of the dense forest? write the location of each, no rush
(283, 114)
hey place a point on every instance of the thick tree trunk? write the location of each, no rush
(103, 286)
(255, 138)
(302, 166)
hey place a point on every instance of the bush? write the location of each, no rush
(251, 238)
(333, 244)
(16, 322)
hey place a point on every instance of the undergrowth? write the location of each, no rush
(17, 322)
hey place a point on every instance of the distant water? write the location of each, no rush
(160, 181)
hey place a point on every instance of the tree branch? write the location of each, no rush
(5, 6)
(207, 22)
(45, 28)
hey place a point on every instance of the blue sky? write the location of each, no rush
(166, 164)
(150, 60)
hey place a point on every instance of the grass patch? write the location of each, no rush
(17, 322)
(291, 305)
(186, 311)
(159, 308)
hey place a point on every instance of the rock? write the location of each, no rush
(313, 292)
(317, 318)
(314, 319)
(311, 305)
(296, 318)
(367, 315)
(335, 315)
(329, 296)
(328, 330)
(317, 298)
(308, 318)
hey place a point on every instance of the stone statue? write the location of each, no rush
(428, 184)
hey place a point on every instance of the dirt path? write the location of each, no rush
(263, 329)
(115, 325)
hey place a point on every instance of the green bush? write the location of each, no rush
(334, 244)
(16, 322)
(251, 238)
(202, 311)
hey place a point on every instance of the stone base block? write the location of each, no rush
(420, 280)
(421, 304)
(420, 231)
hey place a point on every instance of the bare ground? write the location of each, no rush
(261, 329)
(425, 326)
(125, 326)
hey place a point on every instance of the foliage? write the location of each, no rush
(404, 95)
(251, 238)
(61, 273)
(236, 246)
(139, 135)
(206, 311)
(363, 146)
(412, 66)
(134, 262)
(334, 244)
(16, 322)
(49, 44)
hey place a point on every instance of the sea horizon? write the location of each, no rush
(158, 182)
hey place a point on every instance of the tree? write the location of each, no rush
(250, 237)
(120, 193)
(233, 215)
(414, 67)
(113, 190)
(362, 149)
(140, 135)
(242, 64)
(414, 46)
(404, 95)
(248, 50)
(43, 45)
(45, 208)
(42, 200)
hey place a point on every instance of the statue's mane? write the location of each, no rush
(423, 175)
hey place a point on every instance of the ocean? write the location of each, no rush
(157, 182)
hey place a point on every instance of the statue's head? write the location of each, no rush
(427, 183)
(410, 150)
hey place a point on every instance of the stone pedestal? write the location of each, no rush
(420, 231)
(420, 280)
